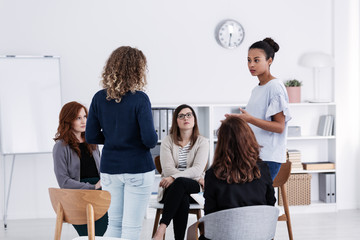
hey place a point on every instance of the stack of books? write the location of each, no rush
(326, 125)
(294, 156)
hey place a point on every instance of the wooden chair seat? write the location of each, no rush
(77, 206)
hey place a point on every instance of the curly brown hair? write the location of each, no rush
(236, 153)
(67, 116)
(124, 71)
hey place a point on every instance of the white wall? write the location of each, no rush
(347, 96)
(185, 63)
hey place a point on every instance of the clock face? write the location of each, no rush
(229, 34)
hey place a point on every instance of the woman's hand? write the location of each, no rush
(166, 182)
(276, 125)
(202, 183)
(98, 185)
(243, 115)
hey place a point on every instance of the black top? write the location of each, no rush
(219, 195)
(88, 167)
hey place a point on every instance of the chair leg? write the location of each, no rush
(198, 214)
(90, 221)
(59, 222)
(287, 212)
(192, 232)
(156, 221)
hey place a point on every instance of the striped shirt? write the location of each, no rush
(183, 153)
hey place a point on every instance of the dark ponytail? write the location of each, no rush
(268, 45)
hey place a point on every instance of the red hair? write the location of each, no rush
(67, 116)
(236, 153)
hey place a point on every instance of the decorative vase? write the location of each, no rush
(294, 94)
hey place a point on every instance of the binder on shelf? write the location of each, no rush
(163, 124)
(169, 119)
(326, 125)
(332, 188)
(321, 127)
(327, 187)
(324, 187)
(156, 117)
(331, 126)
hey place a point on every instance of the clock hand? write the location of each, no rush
(231, 30)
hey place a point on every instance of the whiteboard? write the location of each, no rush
(30, 103)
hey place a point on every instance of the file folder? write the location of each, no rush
(332, 188)
(324, 187)
(156, 117)
(169, 118)
(163, 124)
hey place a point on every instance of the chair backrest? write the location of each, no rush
(158, 164)
(77, 206)
(252, 222)
(283, 175)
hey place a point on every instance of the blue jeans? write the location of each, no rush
(130, 195)
(274, 168)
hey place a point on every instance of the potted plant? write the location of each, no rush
(293, 88)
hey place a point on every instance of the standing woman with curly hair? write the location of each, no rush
(76, 163)
(120, 118)
(267, 110)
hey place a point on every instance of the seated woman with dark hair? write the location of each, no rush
(183, 157)
(237, 177)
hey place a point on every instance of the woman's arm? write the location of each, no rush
(209, 193)
(146, 123)
(62, 173)
(277, 123)
(93, 133)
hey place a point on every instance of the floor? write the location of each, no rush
(342, 225)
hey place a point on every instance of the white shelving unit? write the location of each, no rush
(313, 148)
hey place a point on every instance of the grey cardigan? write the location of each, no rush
(67, 166)
(196, 160)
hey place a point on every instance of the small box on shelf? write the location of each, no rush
(319, 166)
(294, 131)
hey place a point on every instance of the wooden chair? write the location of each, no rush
(78, 206)
(194, 207)
(242, 223)
(279, 181)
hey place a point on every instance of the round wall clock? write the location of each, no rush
(229, 34)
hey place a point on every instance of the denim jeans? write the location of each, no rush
(274, 168)
(130, 195)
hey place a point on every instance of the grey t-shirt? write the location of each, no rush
(266, 101)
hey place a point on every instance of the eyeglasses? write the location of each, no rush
(187, 115)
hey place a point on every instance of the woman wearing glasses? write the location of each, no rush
(183, 157)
